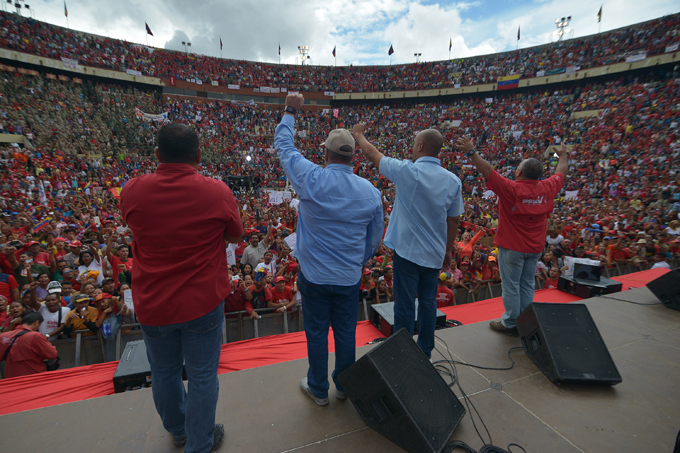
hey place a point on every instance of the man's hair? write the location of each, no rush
(27, 253)
(121, 247)
(339, 158)
(31, 317)
(532, 168)
(61, 261)
(177, 144)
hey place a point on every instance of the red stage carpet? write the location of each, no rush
(76, 384)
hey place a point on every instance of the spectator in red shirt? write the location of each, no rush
(554, 276)
(445, 297)
(262, 296)
(240, 297)
(524, 205)
(282, 296)
(119, 261)
(28, 349)
(9, 288)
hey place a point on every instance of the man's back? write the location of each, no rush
(426, 195)
(27, 354)
(179, 219)
(340, 220)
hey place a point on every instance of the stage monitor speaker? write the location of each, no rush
(133, 371)
(667, 289)
(383, 317)
(564, 343)
(399, 393)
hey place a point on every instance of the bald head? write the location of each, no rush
(432, 141)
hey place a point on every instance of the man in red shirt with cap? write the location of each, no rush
(524, 205)
(25, 349)
(181, 222)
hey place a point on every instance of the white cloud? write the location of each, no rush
(362, 30)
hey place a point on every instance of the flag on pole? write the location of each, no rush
(65, 9)
(220, 43)
(334, 50)
(391, 51)
(518, 33)
(599, 15)
(450, 44)
(148, 30)
(279, 49)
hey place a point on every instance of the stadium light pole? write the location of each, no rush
(561, 25)
(304, 53)
(417, 55)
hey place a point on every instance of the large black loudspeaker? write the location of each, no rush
(564, 343)
(667, 289)
(399, 393)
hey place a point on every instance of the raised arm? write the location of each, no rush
(370, 151)
(483, 166)
(292, 162)
(563, 163)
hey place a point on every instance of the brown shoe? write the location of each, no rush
(499, 327)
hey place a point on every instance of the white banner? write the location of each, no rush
(456, 85)
(291, 241)
(516, 134)
(284, 90)
(231, 86)
(540, 73)
(70, 63)
(489, 100)
(275, 197)
(488, 194)
(199, 82)
(265, 90)
(672, 47)
(133, 72)
(571, 195)
(636, 57)
(149, 117)
(127, 299)
(455, 123)
(275, 90)
(214, 83)
(329, 93)
(571, 70)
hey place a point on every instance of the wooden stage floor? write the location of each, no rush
(264, 410)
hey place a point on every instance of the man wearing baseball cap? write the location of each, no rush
(340, 226)
(282, 296)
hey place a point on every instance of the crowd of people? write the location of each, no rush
(650, 37)
(65, 247)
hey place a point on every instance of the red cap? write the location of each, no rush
(75, 244)
(59, 239)
(32, 243)
(279, 279)
(367, 271)
(103, 296)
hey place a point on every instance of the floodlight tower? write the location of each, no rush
(304, 53)
(561, 25)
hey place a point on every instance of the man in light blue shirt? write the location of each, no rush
(340, 226)
(422, 229)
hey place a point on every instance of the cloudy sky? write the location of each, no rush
(362, 30)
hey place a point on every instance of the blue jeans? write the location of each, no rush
(411, 281)
(517, 279)
(197, 344)
(323, 306)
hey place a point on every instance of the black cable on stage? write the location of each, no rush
(452, 372)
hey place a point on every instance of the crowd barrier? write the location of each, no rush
(238, 325)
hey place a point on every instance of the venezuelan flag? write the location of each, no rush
(115, 191)
(508, 82)
(42, 224)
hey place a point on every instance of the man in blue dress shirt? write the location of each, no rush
(422, 229)
(340, 226)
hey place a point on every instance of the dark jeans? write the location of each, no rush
(197, 343)
(412, 281)
(324, 306)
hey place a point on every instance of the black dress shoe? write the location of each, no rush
(218, 437)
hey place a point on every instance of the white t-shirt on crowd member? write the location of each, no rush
(51, 320)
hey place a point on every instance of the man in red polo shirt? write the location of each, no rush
(27, 348)
(180, 220)
(524, 205)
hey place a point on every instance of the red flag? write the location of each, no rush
(220, 43)
(334, 51)
(391, 51)
(173, 81)
(148, 30)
